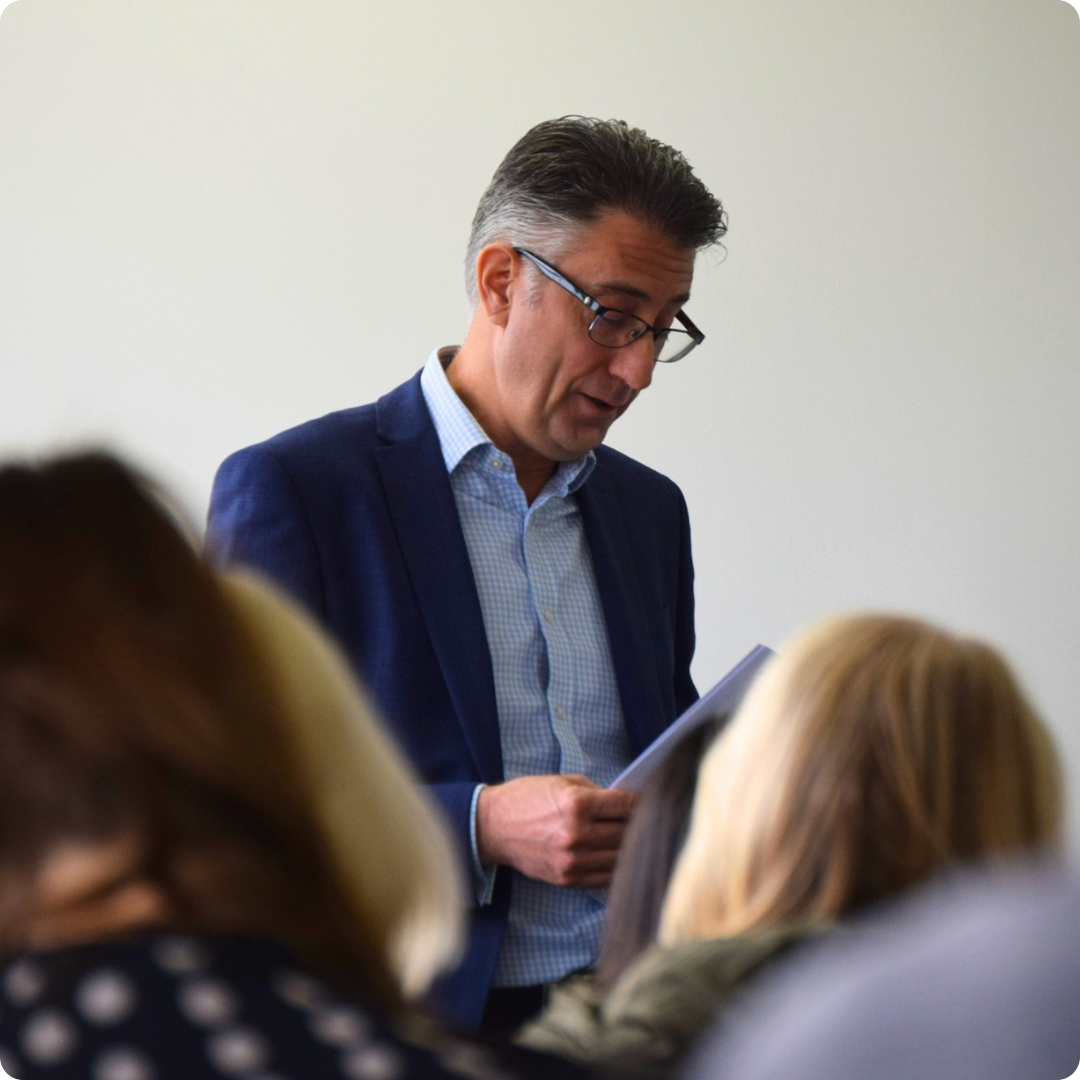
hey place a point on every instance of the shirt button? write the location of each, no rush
(560, 712)
(497, 463)
(549, 615)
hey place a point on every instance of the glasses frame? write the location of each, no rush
(659, 334)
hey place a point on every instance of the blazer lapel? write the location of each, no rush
(624, 610)
(425, 517)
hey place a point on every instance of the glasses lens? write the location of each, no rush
(673, 346)
(616, 329)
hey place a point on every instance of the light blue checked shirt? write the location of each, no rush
(555, 688)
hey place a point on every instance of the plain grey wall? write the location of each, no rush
(219, 218)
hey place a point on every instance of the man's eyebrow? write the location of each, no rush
(632, 291)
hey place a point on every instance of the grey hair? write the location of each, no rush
(563, 174)
(518, 225)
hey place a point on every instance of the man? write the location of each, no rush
(518, 598)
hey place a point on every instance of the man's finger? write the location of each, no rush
(590, 866)
(599, 836)
(602, 804)
(597, 862)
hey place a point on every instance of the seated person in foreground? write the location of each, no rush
(977, 978)
(868, 756)
(212, 862)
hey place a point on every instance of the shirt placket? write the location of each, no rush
(542, 569)
(529, 745)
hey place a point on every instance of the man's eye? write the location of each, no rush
(618, 319)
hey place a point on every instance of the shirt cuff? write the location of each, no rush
(483, 880)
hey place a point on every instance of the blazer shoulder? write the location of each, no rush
(346, 428)
(628, 474)
(341, 442)
(348, 435)
(308, 461)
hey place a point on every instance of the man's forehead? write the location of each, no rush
(624, 255)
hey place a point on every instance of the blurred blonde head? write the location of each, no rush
(391, 848)
(873, 751)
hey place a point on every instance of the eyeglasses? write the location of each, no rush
(616, 329)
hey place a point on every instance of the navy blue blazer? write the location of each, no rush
(354, 515)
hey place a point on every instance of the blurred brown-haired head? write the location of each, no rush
(141, 703)
(872, 752)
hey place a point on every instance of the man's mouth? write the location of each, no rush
(602, 408)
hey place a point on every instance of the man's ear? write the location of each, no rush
(498, 277)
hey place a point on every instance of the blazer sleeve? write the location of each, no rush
(685, 690)
(456, 799)
(258, 519)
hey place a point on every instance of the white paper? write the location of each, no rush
(721, 700)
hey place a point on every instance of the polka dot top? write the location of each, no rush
(172, 1008)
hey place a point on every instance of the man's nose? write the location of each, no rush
(634, 363)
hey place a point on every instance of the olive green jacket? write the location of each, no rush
(657, 1009)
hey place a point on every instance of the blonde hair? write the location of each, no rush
(871, 752)
(392, 852)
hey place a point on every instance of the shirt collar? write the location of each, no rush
(459, 432)
(456, 427)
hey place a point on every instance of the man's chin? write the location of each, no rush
(581, 440)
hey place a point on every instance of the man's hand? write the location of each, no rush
(561, 829)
